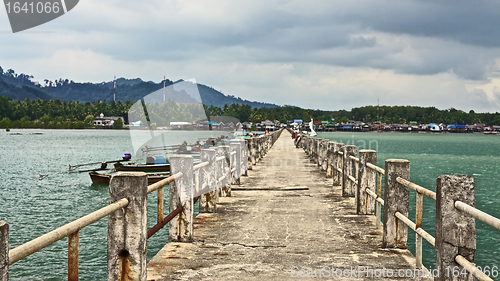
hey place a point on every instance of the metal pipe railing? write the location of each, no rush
(164, 182)
(418, 230)
(417, 225)
(353, 179)
(199, 166)
(376, 168)
(478, 214)
(72, 229)
(471, 268)
(418, 217)
(55, 235)
(354, 158)
(417, 188)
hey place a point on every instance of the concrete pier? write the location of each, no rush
(308, 229)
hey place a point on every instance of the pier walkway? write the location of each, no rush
(273, 234)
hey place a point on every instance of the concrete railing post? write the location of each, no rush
(309, 146)
(329, 159)
(365, 204)
(324, 158)
(322, 155)
(208, 174)
(253, 152)
(455, 231)
(4, 251)
(348, 186)
(244, 158)
(319, 151)
(248, 144)
(224, 170)
(127, 227)
(396, 199)
(314, 148)
(236, 161)
(338, 163)
(262, 148)
(180, 228)
(226, 189)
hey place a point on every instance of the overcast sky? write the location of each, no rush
(326, 55)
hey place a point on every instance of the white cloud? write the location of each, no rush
(317, 54)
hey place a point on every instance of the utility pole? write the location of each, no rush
(378, 105)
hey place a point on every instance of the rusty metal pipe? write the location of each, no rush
(164, 182)
(167, 219)
(73, 255)
(470, 267)
(354, 158)
(480, 215)
(420, 231)
(376, 168)
(353, 179)
(417, 188)
(201, 165)
(47, 239)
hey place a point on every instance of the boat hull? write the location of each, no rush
(143, 168)
(105, 178)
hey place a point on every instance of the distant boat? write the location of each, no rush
(105, 178)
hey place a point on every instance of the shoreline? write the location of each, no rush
(415, 132)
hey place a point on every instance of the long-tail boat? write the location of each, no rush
(105, 178)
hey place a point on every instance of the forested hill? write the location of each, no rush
(21, 86)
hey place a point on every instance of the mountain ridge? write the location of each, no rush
(20, 86)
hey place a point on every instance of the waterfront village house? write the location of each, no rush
(106, 120)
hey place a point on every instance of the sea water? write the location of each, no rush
(33, 207)
(435, 154)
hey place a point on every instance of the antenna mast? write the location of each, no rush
(114, 89)
(164, 88)
(378, 105)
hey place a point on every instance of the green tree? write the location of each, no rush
(88, 120)
(118, 124)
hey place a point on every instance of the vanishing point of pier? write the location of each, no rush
(283, 219)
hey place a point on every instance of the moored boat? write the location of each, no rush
(143, 167)
(105, 178)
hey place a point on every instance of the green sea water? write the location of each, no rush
(33, 207)
(435, 154)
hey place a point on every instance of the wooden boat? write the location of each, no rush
(105, 178)
(153, 164)
(143, 167)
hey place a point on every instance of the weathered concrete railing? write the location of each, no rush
(127, 209)
(359, 177)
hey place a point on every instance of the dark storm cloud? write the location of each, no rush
(278, 49)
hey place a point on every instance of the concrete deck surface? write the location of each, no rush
(283, 235)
